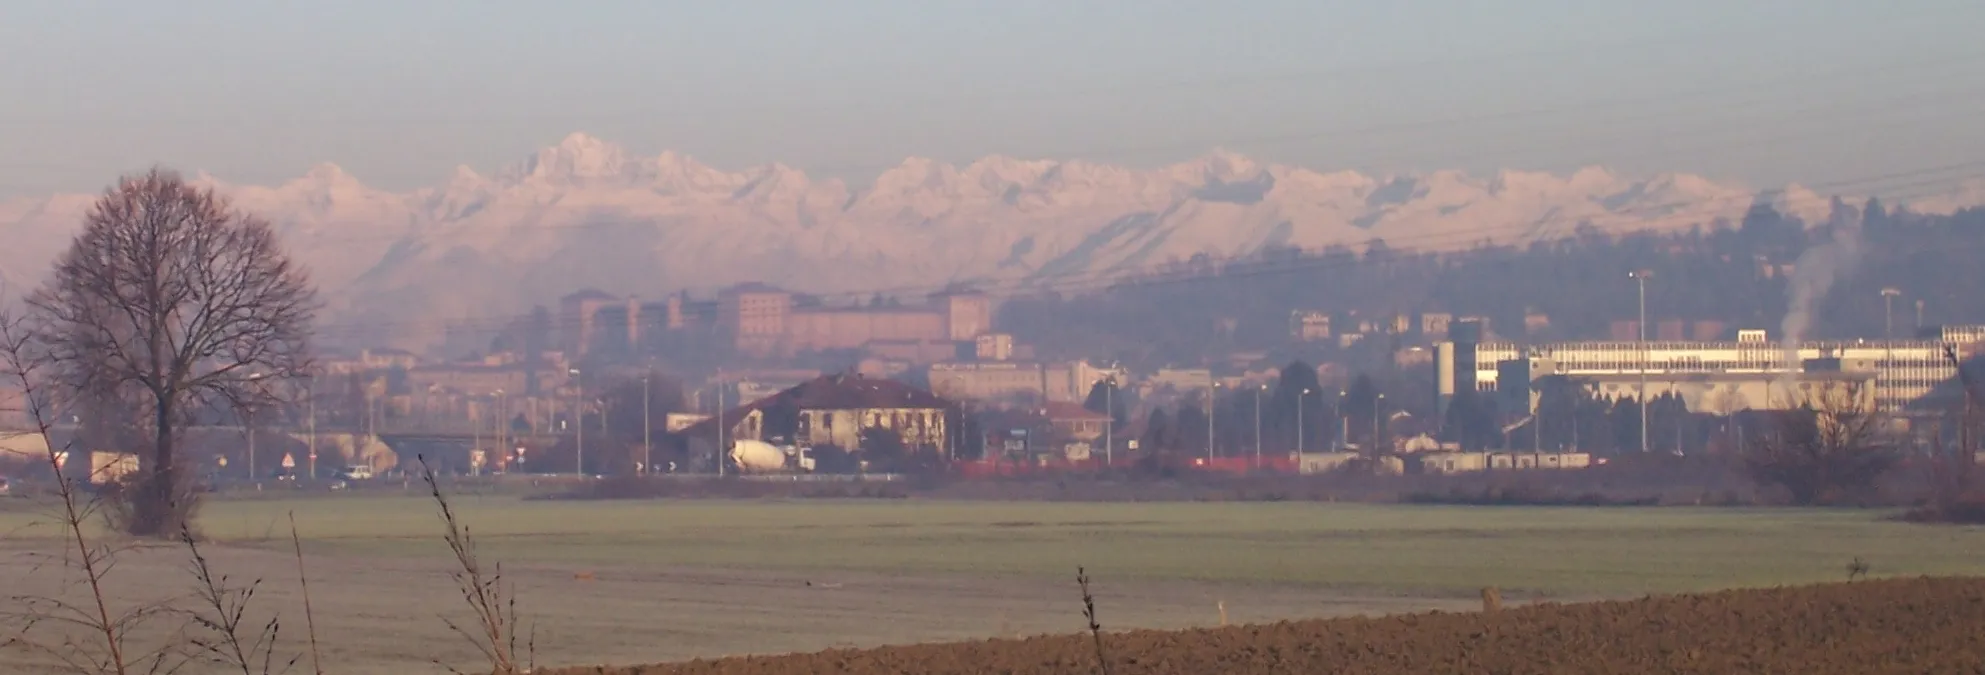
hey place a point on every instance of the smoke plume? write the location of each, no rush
(1814, 274)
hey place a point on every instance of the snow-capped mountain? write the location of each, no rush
(586, 213)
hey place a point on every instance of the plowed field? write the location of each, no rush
(1862, 628)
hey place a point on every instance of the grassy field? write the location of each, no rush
(648, 581)
(1392, 549)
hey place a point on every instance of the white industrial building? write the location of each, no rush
(1751, 373)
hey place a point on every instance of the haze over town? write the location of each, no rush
(773, 327)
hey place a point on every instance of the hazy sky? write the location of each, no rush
(400, 92)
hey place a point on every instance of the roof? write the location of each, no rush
(838, 392)
(588, 294)
(1066, 411)
(854, 392)
(754, 287)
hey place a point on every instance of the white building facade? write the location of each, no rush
(1902, 370)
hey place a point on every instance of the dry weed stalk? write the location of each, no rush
(303, 582)
(106, 651)
(493, 603)
(228, 622)
(1089, 612)
(1857, 569)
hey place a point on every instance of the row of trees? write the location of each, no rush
(1298, 411)
(1729, 272)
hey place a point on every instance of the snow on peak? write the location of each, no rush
(579, 156)
(915, 174)
(1217, 165)
(329, 177)
(464, 175)
(585, 212)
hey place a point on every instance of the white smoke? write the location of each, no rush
(1813, 276)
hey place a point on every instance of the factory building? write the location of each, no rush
(1752, 373)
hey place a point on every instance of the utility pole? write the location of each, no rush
(1212, 392)
(1109, 426)
(1641, 277)
(249, 424)
(1343, 422)
(502, 457)
(578, 424)
(647, 432)
(1888, 311)
(720, 430)
(1378, 404)
(1299, 420)
(1257, 424)
(310, 405)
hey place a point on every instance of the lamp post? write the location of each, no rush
(720, 429)
(578, 424)
(1300, 399)
(1343, 422)
(1257, 424)
(248, 425)
(1110, 425)
(1378, 404)
(310, 407)
(1641, 276)
(499, 459)
(1888, 310)
(647, 431)
(1212, 392)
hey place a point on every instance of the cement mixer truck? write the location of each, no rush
(760, 457)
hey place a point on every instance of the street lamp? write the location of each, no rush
(647, 432)
(578, 424)
(1257, 424)
(1110, 425)
(719, 409)
(1212, 392)
(310, 407)
(1300, 399)
(1378, 404)
(248, 425)
(1343, 422)
(1888, 310)
(1641, 276)
(502, 452)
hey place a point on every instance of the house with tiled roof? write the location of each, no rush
(832, 410)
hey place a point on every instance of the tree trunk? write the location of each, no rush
(154, 509)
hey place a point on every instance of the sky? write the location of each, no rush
(1822, 92)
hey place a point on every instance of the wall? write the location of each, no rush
(850, 329)
(967, 316)
(921, 429)
(984, 381)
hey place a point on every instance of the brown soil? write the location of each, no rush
(1890, 626)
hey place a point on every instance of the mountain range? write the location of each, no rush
(587, 213)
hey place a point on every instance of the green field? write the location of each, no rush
(1411, 550)
(649, 581)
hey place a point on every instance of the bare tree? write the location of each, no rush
(167, 301)
(1831, 449)
(91, 635)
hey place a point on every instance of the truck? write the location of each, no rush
(761, 457)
